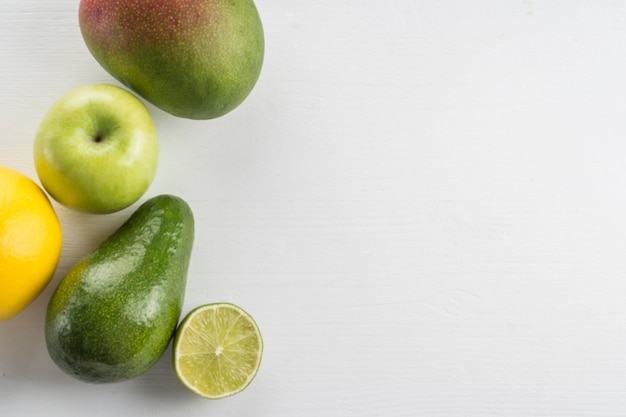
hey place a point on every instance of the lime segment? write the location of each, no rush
(217, 350)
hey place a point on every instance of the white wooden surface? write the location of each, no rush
(423, 204)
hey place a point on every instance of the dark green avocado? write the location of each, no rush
(113, 315)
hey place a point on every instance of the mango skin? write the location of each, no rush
(113, 315)
(196, 59)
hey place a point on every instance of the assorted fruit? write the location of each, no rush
(115, 312)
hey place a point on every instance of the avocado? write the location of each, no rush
(113, 315)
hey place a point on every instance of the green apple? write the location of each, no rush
(197, 59)
(96, 149)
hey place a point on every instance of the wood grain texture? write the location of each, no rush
(423, 205)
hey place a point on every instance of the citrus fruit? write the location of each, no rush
(30, 242)
(217, 350)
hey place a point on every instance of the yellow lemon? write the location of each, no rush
(30, 242)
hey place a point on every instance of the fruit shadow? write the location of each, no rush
(161, 383)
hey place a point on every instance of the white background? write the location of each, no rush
(422, 203)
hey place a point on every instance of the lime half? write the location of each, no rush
(217, 350)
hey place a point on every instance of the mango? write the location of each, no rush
(196, 59)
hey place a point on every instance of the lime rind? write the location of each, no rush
(217, 350)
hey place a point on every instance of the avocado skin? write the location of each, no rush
(113, 315)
